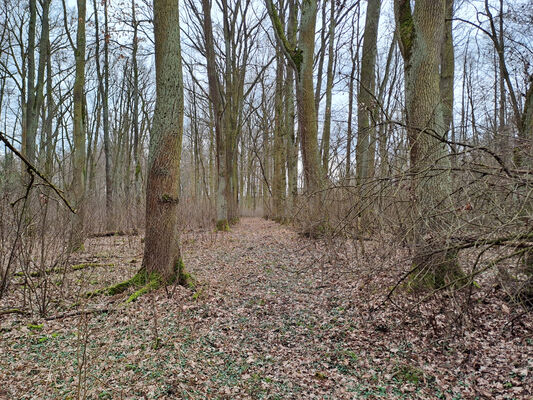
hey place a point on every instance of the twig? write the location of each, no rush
(13, 311)
(79, 312)
(3, 138)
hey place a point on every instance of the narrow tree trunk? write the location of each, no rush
(103, 90)
(354, 58)
(214, 94)
(329, 89)
(292, 144)
(366, 101)
(136, 148)
(447, 70)
(278, 181)
(28, 137)
(78, 168)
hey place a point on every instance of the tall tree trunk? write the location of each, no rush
(292, 144)
(366, 104)
(162, 258)
(216, 101)
(329, 89)
(50, 112)
(28, 137)
(301, 59)
(136, 147)
(103, 90)
(305, 99)
(421, 36)
(321, 57)
(78, 167)
(447, 74)
(447, 70)
(105, 115)
(278, 181)
(354, 58)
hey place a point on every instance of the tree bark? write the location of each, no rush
(366, 104)
(329, 89)
(421, 35)
(301, 59)
(278, 181)
(162, 258)
(79, 157)
(292, 143)
(218, 114)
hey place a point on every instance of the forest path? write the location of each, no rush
(270, 308)
(274, 316)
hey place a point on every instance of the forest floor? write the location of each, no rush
(274, 316)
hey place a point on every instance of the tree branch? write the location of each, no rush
(3, 138)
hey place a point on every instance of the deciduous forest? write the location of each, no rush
(266, 199)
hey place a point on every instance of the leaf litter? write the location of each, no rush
(275, 316)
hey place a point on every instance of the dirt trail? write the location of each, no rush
(269, 320)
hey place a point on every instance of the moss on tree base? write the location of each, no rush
(222, 225)
(146, 283)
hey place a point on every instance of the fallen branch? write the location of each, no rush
(134, 232)
(79, 312)
(13, 311)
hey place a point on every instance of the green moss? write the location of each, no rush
(167, 198)
(222, 225)
(154, 283)
(409, 373)
(183, 277)
(320, 375)
(298, 58)
(146, 283)
(137, 280)
(197, 294)
(77, 267)
(35, 327)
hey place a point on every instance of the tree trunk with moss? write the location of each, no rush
(162, 258)
(421, 35)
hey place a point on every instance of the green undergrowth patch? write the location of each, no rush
(409, 374)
